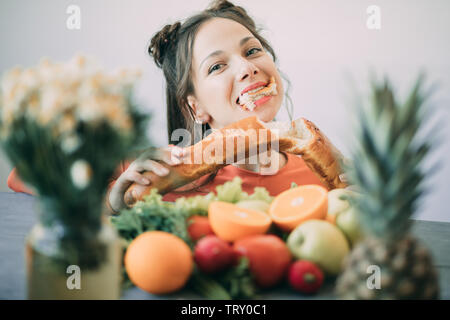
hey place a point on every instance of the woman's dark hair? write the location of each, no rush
(171, 48)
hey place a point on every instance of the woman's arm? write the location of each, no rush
(15, 184)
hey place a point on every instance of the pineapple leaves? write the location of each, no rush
(388, 159)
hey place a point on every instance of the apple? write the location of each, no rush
(348, 222)
(336, 204)
(258, 205)
(343, 215)
(320, 242)
(269, 258)
(212, 254)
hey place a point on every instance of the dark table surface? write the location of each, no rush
(18, 215)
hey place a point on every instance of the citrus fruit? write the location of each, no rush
(158, 262)
(230, 222)
(294, 206)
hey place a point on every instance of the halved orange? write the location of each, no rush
(230, 222)
(294, 206)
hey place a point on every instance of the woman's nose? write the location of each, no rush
(246, 70)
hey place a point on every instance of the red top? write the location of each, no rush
(295, 170)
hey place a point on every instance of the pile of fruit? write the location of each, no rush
(231, 245)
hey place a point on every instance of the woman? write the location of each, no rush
(208, 61)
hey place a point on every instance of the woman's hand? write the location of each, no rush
(145, 162)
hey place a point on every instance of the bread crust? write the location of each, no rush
(320, 155)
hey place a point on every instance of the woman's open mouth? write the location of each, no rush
(250, 99)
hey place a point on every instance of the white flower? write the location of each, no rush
(50, 90)
(70, 143)
(81, 173)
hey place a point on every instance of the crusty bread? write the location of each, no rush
(247, 100)
(299, 137)
(304, 138)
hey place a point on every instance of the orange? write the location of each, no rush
(294, 206)
(158, 262)
(230, 222)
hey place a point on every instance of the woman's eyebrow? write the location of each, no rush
(244, 40)
(219, 52)
(215, 53)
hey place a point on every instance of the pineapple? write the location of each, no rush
(387, 171)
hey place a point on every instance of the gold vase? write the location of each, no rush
(73, 260)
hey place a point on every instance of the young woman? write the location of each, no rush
(208, 61)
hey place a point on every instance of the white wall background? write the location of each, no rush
(320, 46)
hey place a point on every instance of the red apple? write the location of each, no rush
(213, 254)
(268, 256)
(304, 276)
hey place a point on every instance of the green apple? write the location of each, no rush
(336, 204)
(321, 242)
(258, 205)
(343, 215)
(350, 225)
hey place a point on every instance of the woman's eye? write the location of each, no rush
(253, 51)
(214, 68)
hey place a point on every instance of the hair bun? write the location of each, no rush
(161, 42)
(223, 6)
(220, 5)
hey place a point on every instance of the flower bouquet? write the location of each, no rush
(66, 127)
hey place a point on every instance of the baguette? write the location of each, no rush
(304, 138)
(300, 137)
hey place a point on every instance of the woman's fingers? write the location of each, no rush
(171, 155)
(134, 176)
(150, 165)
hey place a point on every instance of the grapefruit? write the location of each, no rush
(294, 206)
(230, 222)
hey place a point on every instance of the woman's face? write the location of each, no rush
(227, 59)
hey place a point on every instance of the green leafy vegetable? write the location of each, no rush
(197, 205)
(260, 193)
(230, 191)
(235, 283)
(149, 215)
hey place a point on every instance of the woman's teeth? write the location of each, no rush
(242, 99)
(248, 99)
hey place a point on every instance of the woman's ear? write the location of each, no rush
(200, 114)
